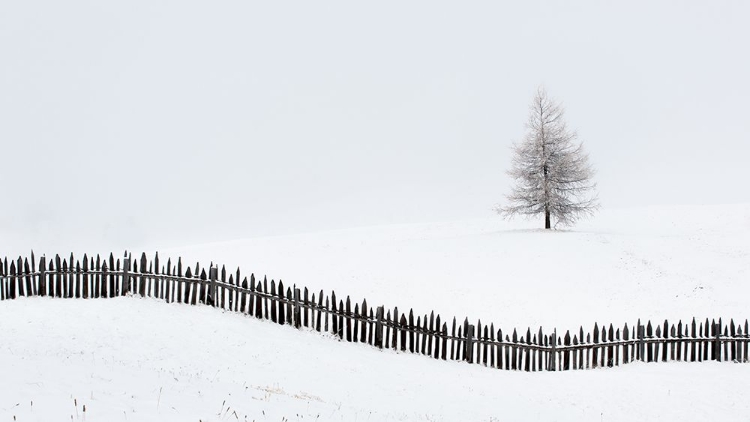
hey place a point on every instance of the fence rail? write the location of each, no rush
(377, 326)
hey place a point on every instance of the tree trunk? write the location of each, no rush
(547, 224)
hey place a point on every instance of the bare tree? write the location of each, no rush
(552, 173)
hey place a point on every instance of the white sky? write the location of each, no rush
(164, 122)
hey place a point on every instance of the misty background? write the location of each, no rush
(160, 123)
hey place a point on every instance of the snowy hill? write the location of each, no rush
(131, 359)
(141, 359)
(651, 263)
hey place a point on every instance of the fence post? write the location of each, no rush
(641, 344)
(213, 275)
(105, 284)
(717, 341)
(2, 281)
(125, 274)
(379, 327)
(42, 276)
(469, 348)
(553, 352)
(297, 313)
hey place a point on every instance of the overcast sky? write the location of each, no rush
(136, 123)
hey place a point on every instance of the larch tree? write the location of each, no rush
(551, 171)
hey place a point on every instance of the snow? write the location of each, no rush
(651, 263)
(134, 359)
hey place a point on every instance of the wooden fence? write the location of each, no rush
(429, 335)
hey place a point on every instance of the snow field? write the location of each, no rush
(134, 359)
(144, 360)
(651, 263)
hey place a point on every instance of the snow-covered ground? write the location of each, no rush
(132, 359)
(650, 263)
(139, 359)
